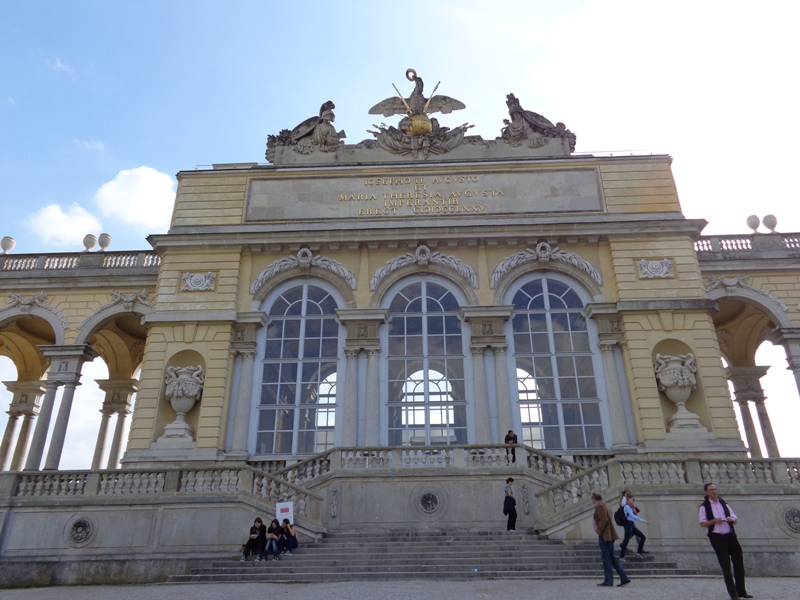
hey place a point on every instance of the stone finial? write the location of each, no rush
(753, 222)
(770, 222)
(7, 244)
(104, 241)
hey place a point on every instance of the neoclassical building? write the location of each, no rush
(355, 328)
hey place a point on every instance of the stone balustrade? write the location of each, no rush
(70, 261)
(617, 474)
(748, 243)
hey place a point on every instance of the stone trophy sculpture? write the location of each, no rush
(676, 378)
(315, 133)
(533, 128)
(417, 134)
(184, 389)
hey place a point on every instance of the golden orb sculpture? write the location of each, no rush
(420, 125)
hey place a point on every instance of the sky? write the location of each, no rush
(102, 103)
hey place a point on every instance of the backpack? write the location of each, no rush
(619, 516)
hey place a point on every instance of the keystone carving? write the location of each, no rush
(304, 260)
(422, 256)
(543, 253)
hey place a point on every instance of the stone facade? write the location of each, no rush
(368, 324)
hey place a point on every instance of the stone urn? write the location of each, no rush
(184, 389)
(676, 378)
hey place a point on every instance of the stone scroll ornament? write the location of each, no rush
(37, 300)
(532, 128)
(304, 260)
(315, 133)
(417, 134)
(184, 389)
(676, 378)
(423, 256)
(543, 253)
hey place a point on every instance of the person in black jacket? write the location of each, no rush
(718, 518)
(510, 505)
(256, 540)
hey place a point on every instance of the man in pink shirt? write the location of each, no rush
(718, 518)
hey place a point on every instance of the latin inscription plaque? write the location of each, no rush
(441, 194)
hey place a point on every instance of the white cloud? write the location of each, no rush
(142, 197)
(53, 225)
(61, 67)
(93, 145)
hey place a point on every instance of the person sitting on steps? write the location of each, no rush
(274, 535)
(255, 541)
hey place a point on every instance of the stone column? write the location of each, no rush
(65, 369)
(747, 388)
(42, 425)
(244, 343)
(350, 409)
(8, 435)
(487, 324)
(100, 445)
(117, 401)
(789, 338)
(610, 336)
(483, 432)
(23, 408)
(504, 417)
(372, 416)
(363, 327)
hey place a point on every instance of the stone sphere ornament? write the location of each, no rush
(753, 222)
(89, 241)
(770, 222)
(104, 241)
(7, 244)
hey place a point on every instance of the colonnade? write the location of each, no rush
(33, 402)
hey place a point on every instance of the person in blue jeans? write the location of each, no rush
(274, 535)
(631, 530)
(603, 522)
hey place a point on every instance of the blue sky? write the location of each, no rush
(103, 102)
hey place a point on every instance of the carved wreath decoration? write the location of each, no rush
(423, 256)
(304, 260)
(543, 253)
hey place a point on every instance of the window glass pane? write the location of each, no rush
(269, 394)
(587, 388)
(311, 348)
(552, 438)
(454, 344)
(549, 414)
(575, 437)
(572, 414)
(291, 349)
(591, 413)
(580, 342)
(435, 325)
(313, 328)
(452, 324)
(266, 419)
(565, 365)
(283, 442)
(264, 442)
(569, 388)
(562, 342)
(436, 345)
(594, 437)
(522, 343)
(583, 366)
(414, 345)
(540, 344)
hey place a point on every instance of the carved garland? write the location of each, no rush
(655, 269)
(127, 302)
(39, 300)
(543, 253)
(304, 261)
(422, 256)
(740, 281)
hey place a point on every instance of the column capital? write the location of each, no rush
(488, 323)
(362, 326)
(609, 323)
(118, 394)
(66, 361)
(26, 396)
(746, 382)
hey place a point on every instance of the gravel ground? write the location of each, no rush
(685, 588)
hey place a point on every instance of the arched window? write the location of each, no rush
(557, 392)
(297, 401)
(427, 403)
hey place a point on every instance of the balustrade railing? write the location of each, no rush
(746, 471)
(61, 483)
(131, 482)
(747, 242)
(79, 260)
(210, 480)
(647, 472)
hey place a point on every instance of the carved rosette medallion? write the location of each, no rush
(429, 502)
(80, 531)
(199, 282)
(791, 518)
(655, 269)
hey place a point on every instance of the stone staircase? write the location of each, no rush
(454, 555)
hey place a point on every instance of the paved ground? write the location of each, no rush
(785, 588)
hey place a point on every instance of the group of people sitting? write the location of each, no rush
(280, 539)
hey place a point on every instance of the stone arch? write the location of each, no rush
(116, 332)
(57, 322)
(559, 267)
(340, 284)
(457, 279)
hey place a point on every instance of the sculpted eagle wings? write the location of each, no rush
(396, 106)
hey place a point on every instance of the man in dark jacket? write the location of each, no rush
(607, 533)
(718, 518)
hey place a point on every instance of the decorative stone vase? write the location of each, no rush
(104, 241)
(7, 244)
(184, 389)
(89, 241)
(676, 378)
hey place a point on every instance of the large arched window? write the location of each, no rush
(297, 400)
(558, 398)
(427, 403)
